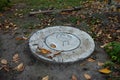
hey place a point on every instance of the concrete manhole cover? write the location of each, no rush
(61, 44)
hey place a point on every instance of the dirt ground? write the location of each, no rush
(11, 43)
(36, 69)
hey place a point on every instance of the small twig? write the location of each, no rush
(58, 11)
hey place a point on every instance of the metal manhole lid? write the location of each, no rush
(61, 44)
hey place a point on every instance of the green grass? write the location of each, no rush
(36, 5)
(113, 50)
(47, 4)
(4, 4)
(42, 4)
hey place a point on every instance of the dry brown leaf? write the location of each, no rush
(64, 13)
(78, 22)
(6, 27)
(4, 61)
(118, 31)
(45, 78)
(50, 57)
(109, 36)
(1, 14)
(6, 68)
(21, 38)
(82, 16)
(16, 58)
(90, 60)
(87, 76)
(57, 53)
(99, 33)
(44, 51)
(105, 71)
(24, 38)
(20, 67)
(74, 77)
(102, 46)
(100, 64)
(53, 45)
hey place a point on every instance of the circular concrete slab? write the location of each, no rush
(61, 44)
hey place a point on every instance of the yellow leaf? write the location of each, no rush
(45, 78)
(74, 77)
(44, 51)
(105, 71)
(87, 76)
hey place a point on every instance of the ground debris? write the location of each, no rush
(20, 67)
(87, 76)
(21, 38)
(5, 67)
(100, 64)
(90, 60)
(43, 51)
(8, 26)
(4, 61)
(105, 71)
(16, 58)
(74, 77)
(45, 78)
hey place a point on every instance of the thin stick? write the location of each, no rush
(58, 11)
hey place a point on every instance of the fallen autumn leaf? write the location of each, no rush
(105, 71)
(90, 60)
(44, 51)
(74, 77)
(87, 76)
(4, 61)
(100, 64)
(20, 67)
(45, 78)
(16, 58)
